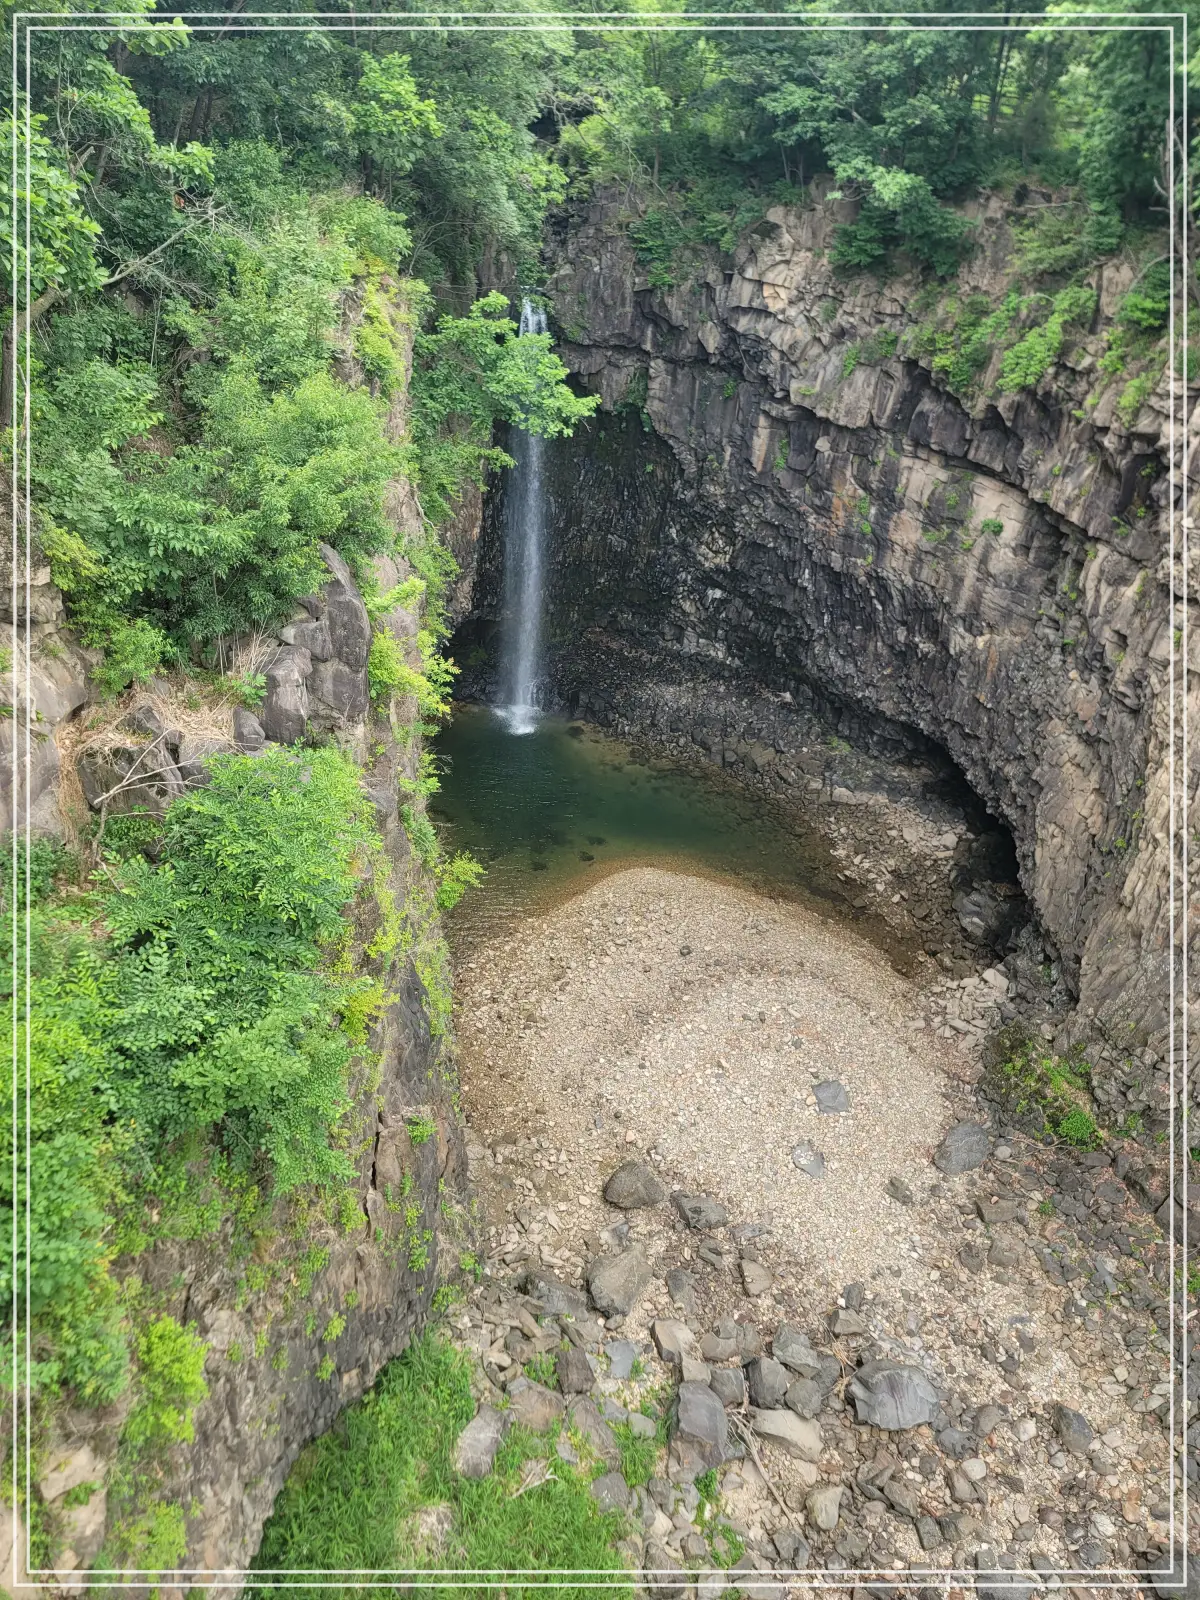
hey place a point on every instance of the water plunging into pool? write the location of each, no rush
(524, 534)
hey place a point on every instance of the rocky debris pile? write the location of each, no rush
(843, 1446)
(968, 1009)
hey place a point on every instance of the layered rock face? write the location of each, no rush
(781, 497)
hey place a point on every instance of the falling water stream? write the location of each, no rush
(524, 536)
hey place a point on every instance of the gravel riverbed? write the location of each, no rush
(750, 1051)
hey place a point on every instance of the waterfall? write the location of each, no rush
(524, 532)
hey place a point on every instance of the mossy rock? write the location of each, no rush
(1041, 1092)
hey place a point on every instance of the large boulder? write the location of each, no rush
(634, 1185)
(892, 1396)
(617, 1282)
(700, 1431)
(285, 706)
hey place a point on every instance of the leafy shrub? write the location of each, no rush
(170, 1374)
(228, 1007)
(1033, 355)
(991, 525)
(133, 653)
(1148, 304)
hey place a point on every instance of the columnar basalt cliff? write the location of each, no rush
(785, 493)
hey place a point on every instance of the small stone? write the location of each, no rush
(844, 1323)
(798, 1436)
(974, 1469)
(729, 1385)
(831, 1097)
(673, 1340)
(681, 1286)
(824, 1506)
(1074, 1429)
(693, 1371)
(700, 1211)
(963, 1149)
(987, 1419)
(665, 1579)
(899, 1190)
(621, 1353)
(792, 1348)
(610, 1492)
(591, 1426)
(768, 1382)
(808, 1159)
(533, 1406)
(700, 1425)
(556, 1299)
(634, 1185)
(477, 1444)
(804, 1397)
(575, 1375)
(994, 1211)
(640, 1425)
(718, 1347)
(756, 1278)
(928, 1533)
(791, 1548)
(618, 1282)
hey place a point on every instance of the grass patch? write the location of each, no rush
(353, 1498)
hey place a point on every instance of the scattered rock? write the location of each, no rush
(899, 1190)
(797, 1435)
(831, 1097)
(1074, 1429)
(792, 1348)
(700, 1211)
(844, 1323)
(575, 1375)
(700, 1427)
(963, 1149)
(681, 1286)
(477, 1444)
(610, 1492)
(693, 1371)
(248, 733)
(824, 1506)
(673, 1340)
(756, 1278)
(768, 1382)
(665, 1580)
(555, 1298)
(889, 1395)
(621, 1353)
(588, 1422)
(804, 1397)
(534, 1406)
(809, 1159)
(634, 1185)
(729, 1385)
(617, 1282)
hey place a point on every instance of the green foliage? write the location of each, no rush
(420, 1129)
(1048, 1092)
(991, 525)
(1033, 355)
(541, 1369)
(1147, 305)
(352, 1500)
(469, 373)
(170, 1382)
(225, 951)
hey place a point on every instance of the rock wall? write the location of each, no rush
(769, 496)
(298, 1326)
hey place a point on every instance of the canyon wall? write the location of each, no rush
(298, 1307)
(775, 490)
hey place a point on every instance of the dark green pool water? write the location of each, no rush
(551, 811)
